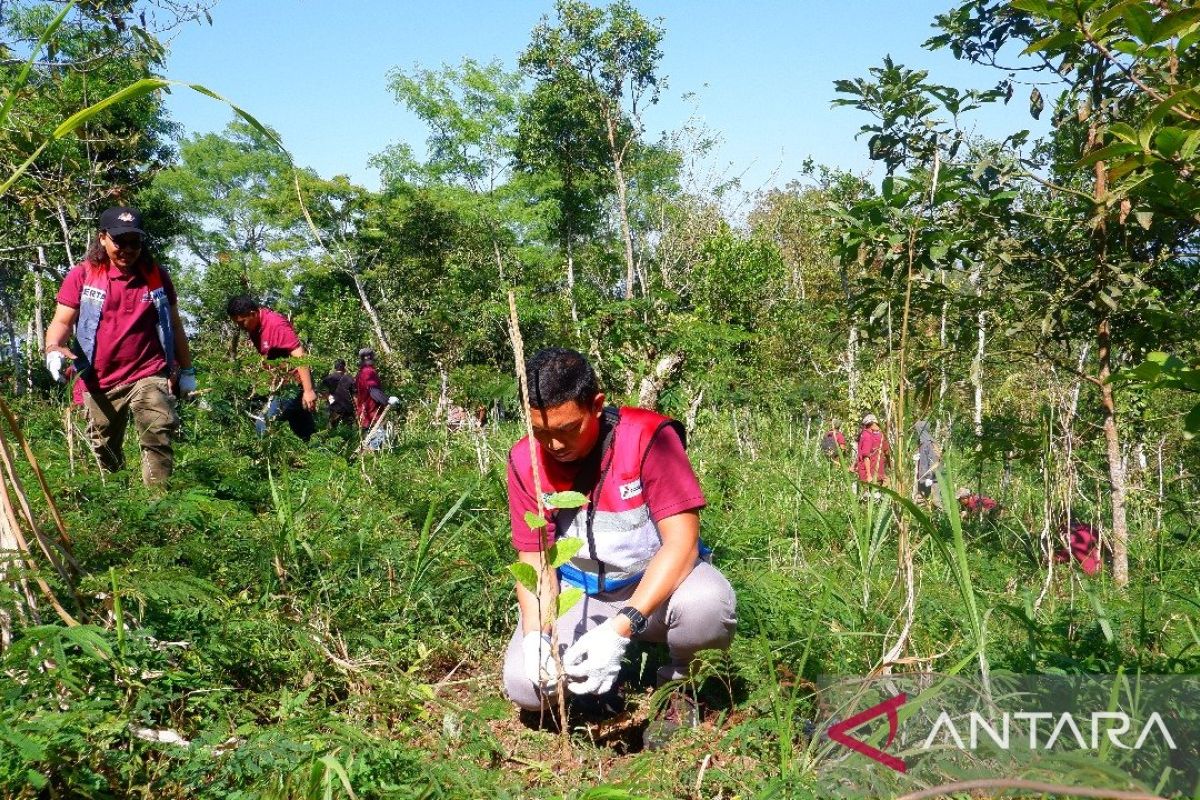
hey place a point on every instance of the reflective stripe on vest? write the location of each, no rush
(91, 308)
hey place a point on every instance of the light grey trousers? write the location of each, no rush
(700, 615)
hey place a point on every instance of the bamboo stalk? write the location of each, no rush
(518, 345)
(6, 506)
(18, 490)
(15, 427)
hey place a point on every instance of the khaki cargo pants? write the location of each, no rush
(152, 406)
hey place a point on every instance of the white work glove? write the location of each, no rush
(187, 380)
(595, 659)
(539, 660)
(393, 401)
(54, 363)
(330, 399)
(927, 483)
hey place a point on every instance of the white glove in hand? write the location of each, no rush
(539, 660)
(393, 401)
(187, 380)
(595, 659)
(54, 363)
(330, 399)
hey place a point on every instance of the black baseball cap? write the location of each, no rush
(121, 220)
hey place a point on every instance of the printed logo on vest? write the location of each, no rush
(632, 489)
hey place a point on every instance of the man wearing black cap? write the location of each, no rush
(129, 344)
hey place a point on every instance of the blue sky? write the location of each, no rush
(761, 71)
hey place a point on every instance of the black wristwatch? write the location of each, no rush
(637, 620)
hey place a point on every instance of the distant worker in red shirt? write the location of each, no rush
(978, 506)
(121, 307)
(1082, 545)
(873, 449)
(643, 569)
(274, 338)
(369, 398)
(833, 443)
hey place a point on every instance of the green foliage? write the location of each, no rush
(472, 112)
(307, 623)
(569, 499)
(1164, 371)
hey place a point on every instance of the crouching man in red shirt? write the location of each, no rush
(274, 338)
(645, 572)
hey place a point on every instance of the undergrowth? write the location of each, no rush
(293, 621)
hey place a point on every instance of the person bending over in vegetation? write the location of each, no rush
(929, 462)
(129, 345)
(873, 450)
(976, 506)
(1082, 545)
(369, 397)
(833, 444)
(340, 388)
(274, 337)
(642, 566)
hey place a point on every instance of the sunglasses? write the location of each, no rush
(128, 242)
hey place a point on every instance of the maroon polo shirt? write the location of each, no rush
(275, 337)
(368, 410)
(668, 480)
(127, 345)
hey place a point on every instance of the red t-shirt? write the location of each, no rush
(127, 345)
(668, 483)
(368, 409)
(275, 337)
(872, 445)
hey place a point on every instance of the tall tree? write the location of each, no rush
(472, 113)
(556, 141)
(337, 211)
(242, 228)
(611, 57)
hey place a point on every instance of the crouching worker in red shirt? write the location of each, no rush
(644, 570)
(274, 338)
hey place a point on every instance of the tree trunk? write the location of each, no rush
(38, 327)
(499, 260)
(1158, 511)
(852, 366)
(693, 410)
(14, 350)
(977, 363)
(653, 384)
(944, 382)
(376, 325)
(570, 250)
(618, 162)
(62, 223)
(852, 336)
(1116, 468)
(32, 358)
